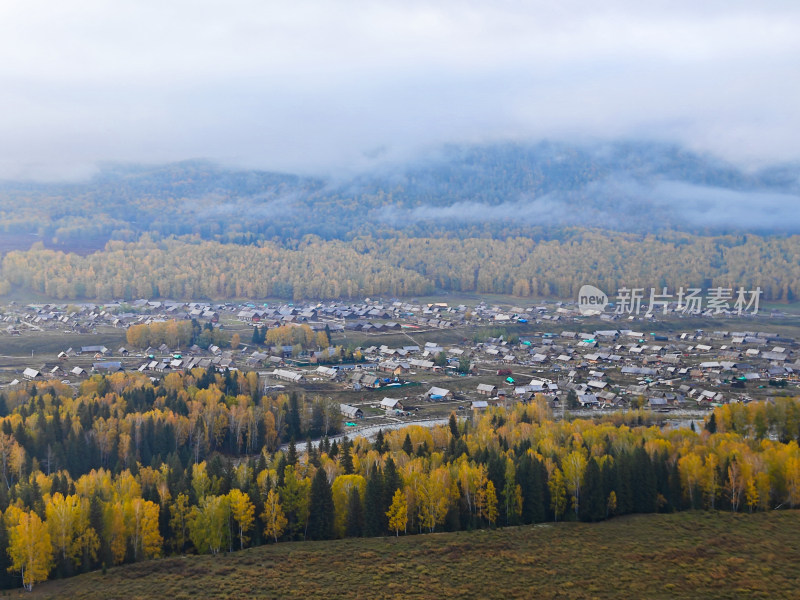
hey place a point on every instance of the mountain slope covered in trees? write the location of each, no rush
(504, 188)
(529, 220)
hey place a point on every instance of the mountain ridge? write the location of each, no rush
(497, 189)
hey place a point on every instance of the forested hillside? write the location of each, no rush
(129, 470)
(529, 220)
(507, 189)
(190, 268)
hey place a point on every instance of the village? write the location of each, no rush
(391, 363)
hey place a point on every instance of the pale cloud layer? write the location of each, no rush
(662, 204)
(329, 85)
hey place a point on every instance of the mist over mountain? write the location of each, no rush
(622, 186)
(500, 189)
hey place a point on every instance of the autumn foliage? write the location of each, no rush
(191, 268)
(130, 470)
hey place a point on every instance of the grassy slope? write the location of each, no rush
(690, 555)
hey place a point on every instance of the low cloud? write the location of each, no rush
(719, 208)
(316, 87)
(252, 208)
(624, 203)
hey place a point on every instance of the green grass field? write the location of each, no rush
(685, 555)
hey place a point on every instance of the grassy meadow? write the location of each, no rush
(683, 555)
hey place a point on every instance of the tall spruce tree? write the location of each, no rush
(675, 495)
(321, 508)
(645, 491)
(533, 485)
(374, 505)
(291, 456)
(7, 580)
(313, 453)
(711, 425)
(661, 469)
(346, 461)
(380, 443)
(392, 481)
(453, 426)
(293, 421)
(592, 506)
(355, 514)
(280, 467)
(624, 485)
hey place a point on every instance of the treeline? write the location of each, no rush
(118, 421)
(301, 336)
(176, 334)
(181, 334)
(505, 468)
(189, 268)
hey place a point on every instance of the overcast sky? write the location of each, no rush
(317, 86)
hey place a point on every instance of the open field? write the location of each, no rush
(50, 342)
(685, 555)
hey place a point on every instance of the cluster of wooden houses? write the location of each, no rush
(600, 368)
(610, 368)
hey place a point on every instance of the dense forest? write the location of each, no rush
(129, 470)
(191, 268)
(529, 220)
